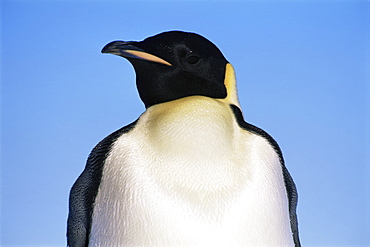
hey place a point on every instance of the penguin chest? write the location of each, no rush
(193, 180)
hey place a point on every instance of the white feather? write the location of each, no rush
(188, 175)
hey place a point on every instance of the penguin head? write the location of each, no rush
(174, 65)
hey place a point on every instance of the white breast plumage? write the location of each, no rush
(188, 175)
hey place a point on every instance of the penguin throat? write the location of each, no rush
(193, 125)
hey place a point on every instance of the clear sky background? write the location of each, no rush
(303, 76)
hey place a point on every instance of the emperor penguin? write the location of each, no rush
(189, 171)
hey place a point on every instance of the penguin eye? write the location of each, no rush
(192, 59)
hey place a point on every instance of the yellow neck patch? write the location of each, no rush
(230, 84)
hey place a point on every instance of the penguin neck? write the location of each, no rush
(194, 125)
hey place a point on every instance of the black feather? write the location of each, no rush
(85, 189)
(288, 180)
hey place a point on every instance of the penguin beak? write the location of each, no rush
(129, 50)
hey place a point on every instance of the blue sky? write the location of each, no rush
(303, 76)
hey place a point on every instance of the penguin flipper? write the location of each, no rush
(288, 180)
(293, 199)
(85, 189)
(80, 210)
